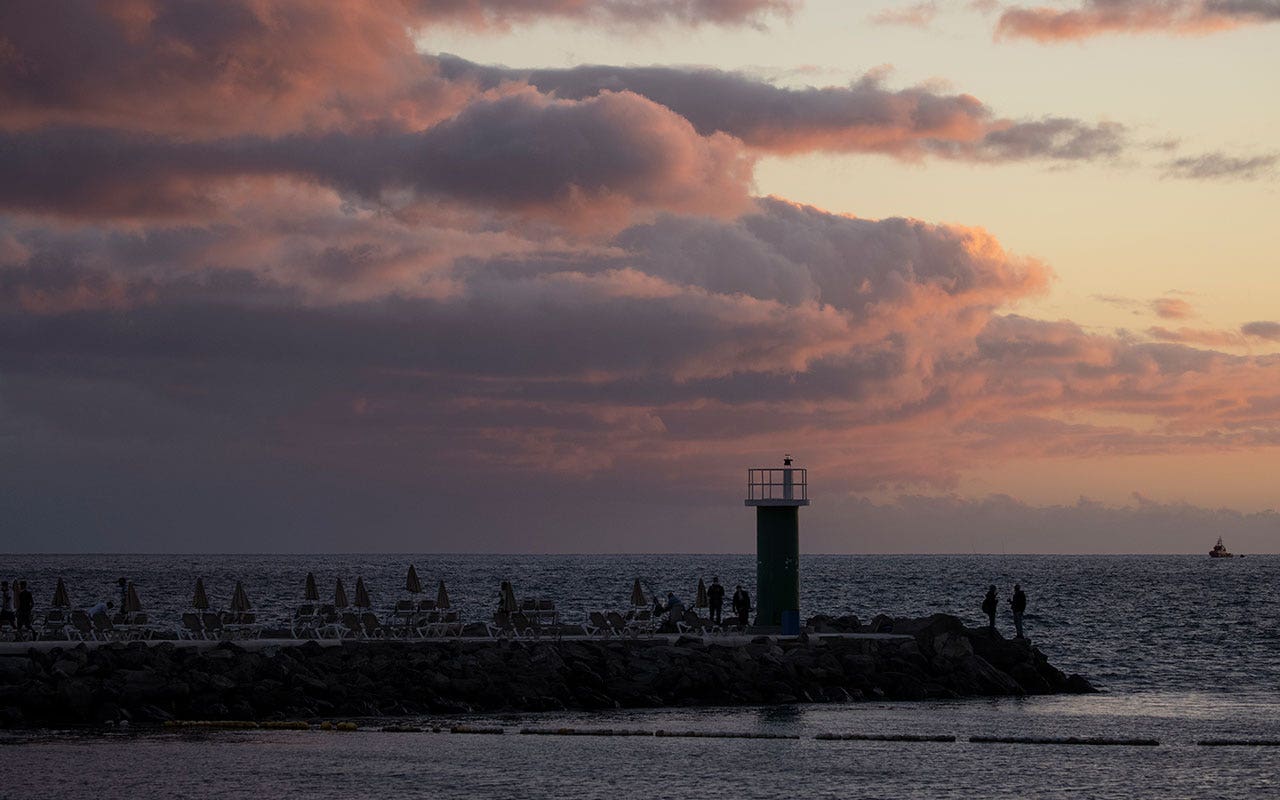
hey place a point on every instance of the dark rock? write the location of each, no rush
(932, 657)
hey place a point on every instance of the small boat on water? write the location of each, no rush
(1220, 550)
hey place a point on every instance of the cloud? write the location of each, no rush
(597, 158)
(1200, 336)
(882, 348)
(920, 15)
(994, 524)
(1172, 308)
(863, 116)
(1096, 17)
(1220, 166)
(487, 13)
(214, 68)
(1262, 330)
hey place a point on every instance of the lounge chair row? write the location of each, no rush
(613, 623)
(519, 625)
(219, 625)
(67, 625)
(405, 621)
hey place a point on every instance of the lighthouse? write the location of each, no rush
(777, 494)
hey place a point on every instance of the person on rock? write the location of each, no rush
(741, 604)
(989, 605)
(1019, 604)
(715, 600)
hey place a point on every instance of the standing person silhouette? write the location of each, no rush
(1019, 604)
(989, 604)
(6, 605)
(715, 600)
(741, 604)
(26, 605)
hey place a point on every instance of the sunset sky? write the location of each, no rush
(549, 275)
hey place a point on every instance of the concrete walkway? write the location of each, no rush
(253, 645)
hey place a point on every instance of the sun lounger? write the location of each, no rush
(212, 624)
(428, 624)
(191, 627)
(525, 625)
(597, 625)
(399, 623)
(501, 625)
(241, 625)
(352, 627)
(55, 625)
(82, 626)
(103, 628)
(451, 624)
(305, 623)
(372, 627)
(617, 625)
(692, 623)
(546, 613)
(330, 626)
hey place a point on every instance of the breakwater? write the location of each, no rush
(151, 683)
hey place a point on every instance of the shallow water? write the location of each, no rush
(333, 765)
(1187, 649)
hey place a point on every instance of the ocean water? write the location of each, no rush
(1184, 647)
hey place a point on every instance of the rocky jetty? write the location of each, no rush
(153, 683)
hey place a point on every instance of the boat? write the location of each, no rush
(1220, 550)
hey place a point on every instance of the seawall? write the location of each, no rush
(938, 658)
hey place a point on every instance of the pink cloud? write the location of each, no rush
(1172, 308)
(920, 15)
(1096, 17)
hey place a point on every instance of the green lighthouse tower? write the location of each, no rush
(777, 494)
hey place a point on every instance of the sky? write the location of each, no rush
(550, 275)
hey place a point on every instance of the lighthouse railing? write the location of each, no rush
(777, 483)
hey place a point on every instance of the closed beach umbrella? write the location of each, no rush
(507, 598)
(362, 594)
(312, 594)
(200, 600)
(240, 599)
(411, 582)
(700, 601)
(637, 595)
(442, 597)
(60, 599)
(132, 603)
(340, 596)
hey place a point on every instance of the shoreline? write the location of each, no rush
(935, 657)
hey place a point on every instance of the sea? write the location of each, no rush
(1184, 648)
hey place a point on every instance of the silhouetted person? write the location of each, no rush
(102, 607)
(715, 600)
(6, 605)
(26, 604)
(675, 608)
(989, 607)
(741, 604)
(123, 583)
(1019, 605)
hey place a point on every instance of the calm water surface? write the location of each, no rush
(1187, 649)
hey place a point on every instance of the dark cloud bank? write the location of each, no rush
(271, 279)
